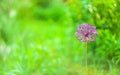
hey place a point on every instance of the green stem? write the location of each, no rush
(86, 58)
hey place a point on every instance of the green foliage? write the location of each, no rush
(37, 37)
(104, 15)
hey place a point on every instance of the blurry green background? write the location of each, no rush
(37, 37)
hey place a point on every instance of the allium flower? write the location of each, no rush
(86, 33)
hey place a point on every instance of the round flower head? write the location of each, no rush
(86, 33)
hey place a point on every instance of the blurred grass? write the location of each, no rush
(37, 37)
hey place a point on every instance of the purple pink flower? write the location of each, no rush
(86, 33)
